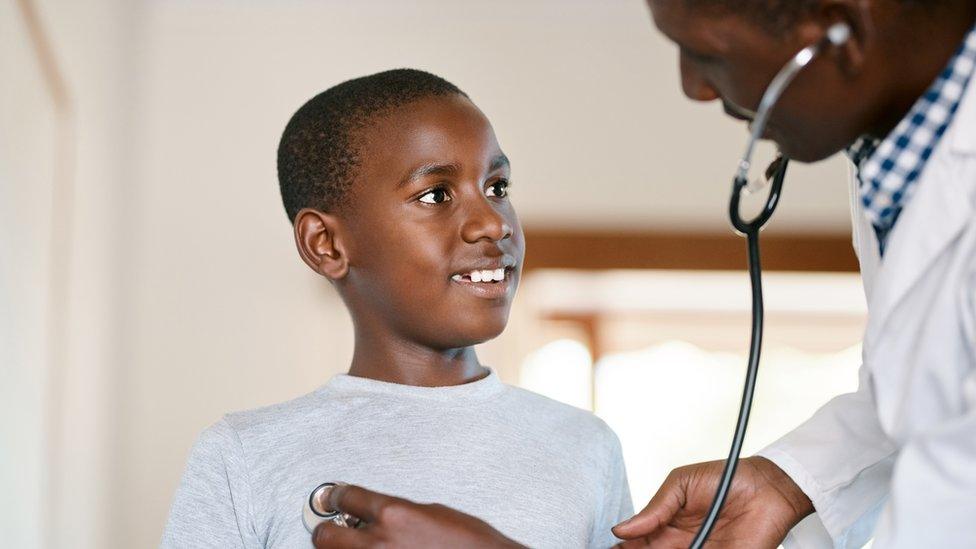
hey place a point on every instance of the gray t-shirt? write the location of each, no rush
(541, 472)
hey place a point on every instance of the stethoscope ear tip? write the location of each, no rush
(839, 33)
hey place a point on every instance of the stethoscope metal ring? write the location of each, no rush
(315, 510)
(318, 492)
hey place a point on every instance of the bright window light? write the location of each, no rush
(561, 370)
(673, 347)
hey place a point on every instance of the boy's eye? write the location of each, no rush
(498, 190)
(435, 196)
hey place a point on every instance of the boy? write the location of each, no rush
(398, 193)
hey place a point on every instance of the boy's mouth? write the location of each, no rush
(486, 283)
(486, 276)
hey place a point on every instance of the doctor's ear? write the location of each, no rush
(319, 244)
(857, 16)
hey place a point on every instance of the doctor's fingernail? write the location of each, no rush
(334, 495)
(320, 501)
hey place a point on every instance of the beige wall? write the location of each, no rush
(25, 157)
(183, 297)
(62, 143)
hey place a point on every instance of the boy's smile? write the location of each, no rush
(492, 280)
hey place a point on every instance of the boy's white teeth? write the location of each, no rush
(496, 275)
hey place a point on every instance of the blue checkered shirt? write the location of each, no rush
(888, 170)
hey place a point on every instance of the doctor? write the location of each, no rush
(895, 460)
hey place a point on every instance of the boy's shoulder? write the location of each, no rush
(258, 434)
(280, 417)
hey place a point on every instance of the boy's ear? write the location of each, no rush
(316, 235)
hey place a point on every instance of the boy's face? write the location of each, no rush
(731, 58)
(429, 217)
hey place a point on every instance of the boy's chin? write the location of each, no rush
(459, 336)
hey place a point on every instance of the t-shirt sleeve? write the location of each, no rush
(212, 506)
(617, 504)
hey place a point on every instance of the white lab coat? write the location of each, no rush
(896, 460)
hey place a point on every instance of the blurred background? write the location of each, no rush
(149, 283)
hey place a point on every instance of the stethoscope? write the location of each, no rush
(837, 35)
(317, 508)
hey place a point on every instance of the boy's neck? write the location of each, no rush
(411, 364)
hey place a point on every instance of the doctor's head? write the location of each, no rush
(730, 50)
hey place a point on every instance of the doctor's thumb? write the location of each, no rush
(656, 514)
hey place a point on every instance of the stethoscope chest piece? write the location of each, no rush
(317, 509)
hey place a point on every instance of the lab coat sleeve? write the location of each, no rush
(212, 506)
(842, 460)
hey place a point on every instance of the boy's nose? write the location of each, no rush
(485, 222)
(693, 83)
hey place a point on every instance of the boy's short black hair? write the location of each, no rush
(319, 151)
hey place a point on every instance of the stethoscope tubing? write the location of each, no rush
(836, 35)
(751, 231)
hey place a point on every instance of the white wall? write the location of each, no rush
(26, 156)
(185, 298)
(61, 159)
(583, 94)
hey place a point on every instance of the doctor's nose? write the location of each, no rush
(694, 85)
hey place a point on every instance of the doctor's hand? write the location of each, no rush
(762, 506)
(394, 523)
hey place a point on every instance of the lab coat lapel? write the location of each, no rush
(935, 215)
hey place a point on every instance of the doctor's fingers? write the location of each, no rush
(658, 512)
(332, 536)
(663, 538)
(361, 503)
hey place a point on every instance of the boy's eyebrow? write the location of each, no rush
(429, 169)
(424, 170)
